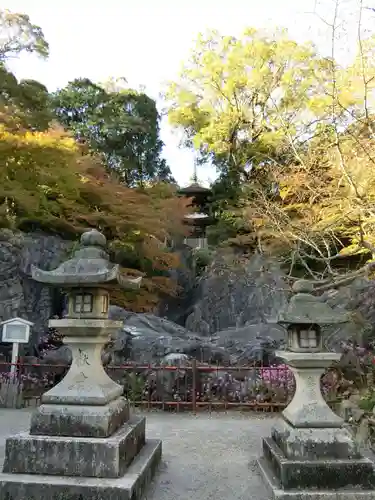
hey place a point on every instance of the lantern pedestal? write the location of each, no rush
(87, 402)
(310, 455)
(308, 407)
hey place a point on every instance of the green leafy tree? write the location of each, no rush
(24, 104)
(121, 125)
(244, 102)
(18, 34)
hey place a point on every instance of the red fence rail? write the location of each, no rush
(193, 387)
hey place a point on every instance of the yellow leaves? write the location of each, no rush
(83, 179)
(250, 33)
(319, 104)
(350, 249)
(258, 222)
(45, 140)
(317, 211)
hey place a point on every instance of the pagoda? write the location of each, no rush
(200, 218)
(82, 441)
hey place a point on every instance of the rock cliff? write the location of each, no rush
(19, 294)
(237, 291)
(220, 316)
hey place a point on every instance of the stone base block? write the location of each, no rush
(276, 491)
(77, 456)
(131, 486)
(314, 444)
(80, 421)
(312, 474)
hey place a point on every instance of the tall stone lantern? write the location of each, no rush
(310, 452)
(82, 441)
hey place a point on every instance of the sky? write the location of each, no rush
(147, 41)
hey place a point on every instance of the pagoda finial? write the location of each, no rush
(195, 173)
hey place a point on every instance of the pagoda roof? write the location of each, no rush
(89, 267)
(194, 188)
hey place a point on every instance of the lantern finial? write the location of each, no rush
(93, 238)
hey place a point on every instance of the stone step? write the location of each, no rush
(131, 486)
(330, 474)
(276, 491)
(76, 456)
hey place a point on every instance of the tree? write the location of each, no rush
(25, 103)
(121, 125)
(18, 34)
(244, 103)
(321, 218)
(292, 136)
(50, 182)
(47, 183)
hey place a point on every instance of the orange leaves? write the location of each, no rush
(46, 182)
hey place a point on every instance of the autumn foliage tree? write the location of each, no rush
(48, 184)
(321, 217)
(320, 220)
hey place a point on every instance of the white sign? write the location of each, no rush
(16, 331)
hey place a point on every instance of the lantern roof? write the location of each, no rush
(89, 267)
(305, 308)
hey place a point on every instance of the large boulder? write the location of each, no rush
(176, 308)
(146, 338)
(244, 291)
(357, 298)
(236, 291)
(226, 310)
(252, 343)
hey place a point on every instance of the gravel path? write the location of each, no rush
(205, 457)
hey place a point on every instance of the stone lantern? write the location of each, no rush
(82, 442)
(310, 451)
(303, 334)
